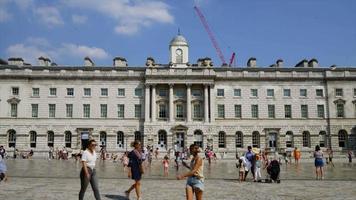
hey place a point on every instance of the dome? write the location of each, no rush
(179, 40)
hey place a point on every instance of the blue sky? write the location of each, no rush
(68, 30)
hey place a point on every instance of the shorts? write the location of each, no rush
(319, 162)
(195, 183)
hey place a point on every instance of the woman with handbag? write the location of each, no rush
(135, 169)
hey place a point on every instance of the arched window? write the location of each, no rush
(138, 137)
(11, 138)
(179, 56)
(102, 138)
(33, 139)
(50, 138)
(198, 138)
(289, 139)
(120, 140)
(322, 138)
(222, 139)
(239, 140)
(306, 139)
(256, 139)
(68, 139)
(342, 136)
(162, 139)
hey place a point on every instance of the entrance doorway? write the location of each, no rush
(180, 141)
(84, 136)
(272, 141)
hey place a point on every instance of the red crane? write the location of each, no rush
(212, 38)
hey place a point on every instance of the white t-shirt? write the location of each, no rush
(89, 158)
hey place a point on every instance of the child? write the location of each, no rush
(165, 163)
(258, 169)
(156, 153)
(125, 160)
(241, 167)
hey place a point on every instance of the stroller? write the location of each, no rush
(273, 171)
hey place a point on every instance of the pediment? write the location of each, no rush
(179, 101)
(13, 100)
(339, 101)
(180, 127)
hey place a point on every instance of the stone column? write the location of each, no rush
(206, 104)
(189, 104)
(153, 103)
(212, 104)
(171, 107)
(147, 103)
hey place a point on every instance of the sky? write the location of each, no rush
(66, 31)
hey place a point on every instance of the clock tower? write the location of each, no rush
(178, 48)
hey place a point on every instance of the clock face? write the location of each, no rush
(179, 52)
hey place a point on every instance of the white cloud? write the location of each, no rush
(49, 15)
(33, 48)
(131, 15)
(79, 19)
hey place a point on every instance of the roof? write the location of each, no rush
(179, 40)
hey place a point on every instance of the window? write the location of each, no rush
(13, 110)
(15, 91)
(354, 92)
(304, 111)
(319, 92)
(270, 92)
(179, 111)
(303, 92)
(197, 111)
(35, 92)
(254, 93)
(102, 138)
(33, 139)
(221, 111)
(198, 138)
(69, 110)
(289, 139)
(103, 110)
(340, 110)
(162, 93)
(52, 91)
(339, 92)
(120, 140)
(138, 92)
(137, 111)
(256, 139)
(162, 139)
(138, 136)
(87, 92)
(254, 111)
(120, 110)
(237, 92)
(222, 139)
(51, 110)
(196, 93)
(220, 92)
(179, 56)
(34, 110)
(239, 139)
(306, 139)
(322, 139)
(342, 137)
(70, 91)
(179, 93)
(86, 110)
(287, 111)
(104, 92)
(286, 93)
(121, 92)
(321, 112)
(271, 111)
(50, 138)
(162, 111)
(238, 111)
(11, 138)
(68, 139)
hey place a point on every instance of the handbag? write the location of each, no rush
(140, 166)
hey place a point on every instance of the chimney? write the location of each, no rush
(120, 62)
(150, 62)
(273, 66)
(279, 63)
(200, 62)
(313, 63)
(16, 61)
(303, 63)
(207, 62)
(43, 61)
(252, 62)
(88, 62)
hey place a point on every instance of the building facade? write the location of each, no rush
(180, 103)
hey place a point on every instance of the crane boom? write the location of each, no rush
(232, 59)
(211, 35)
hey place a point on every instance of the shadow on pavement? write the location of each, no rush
(116, 197)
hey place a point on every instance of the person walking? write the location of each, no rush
(88, 173)
(135, 169)
(331, 155)
(195, 181)
(3, 170)
(249, 158)
(319, 163)
(349, 156)
(296, 154)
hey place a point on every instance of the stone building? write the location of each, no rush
(225, 108)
